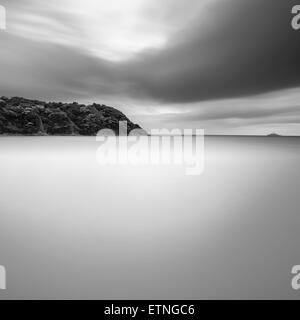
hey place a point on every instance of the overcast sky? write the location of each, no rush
(228, 66)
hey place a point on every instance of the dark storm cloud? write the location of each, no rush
(47, 71)
(239, 48)
(249, 47)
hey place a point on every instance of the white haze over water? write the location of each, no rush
(70, 228)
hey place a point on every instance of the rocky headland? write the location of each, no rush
(20, 116)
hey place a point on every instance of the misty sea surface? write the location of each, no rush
(73, 229)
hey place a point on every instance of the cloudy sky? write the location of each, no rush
(228, 66)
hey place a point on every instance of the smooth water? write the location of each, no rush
(70, 228)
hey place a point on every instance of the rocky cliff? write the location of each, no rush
(19, 116)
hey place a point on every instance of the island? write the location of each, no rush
(20, 116)
(274, 135)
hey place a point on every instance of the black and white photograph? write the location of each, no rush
(149, 150)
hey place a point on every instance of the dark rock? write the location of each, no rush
(274, 135)
(19, 116)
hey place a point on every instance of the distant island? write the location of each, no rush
(20, 116)
(274, 135)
